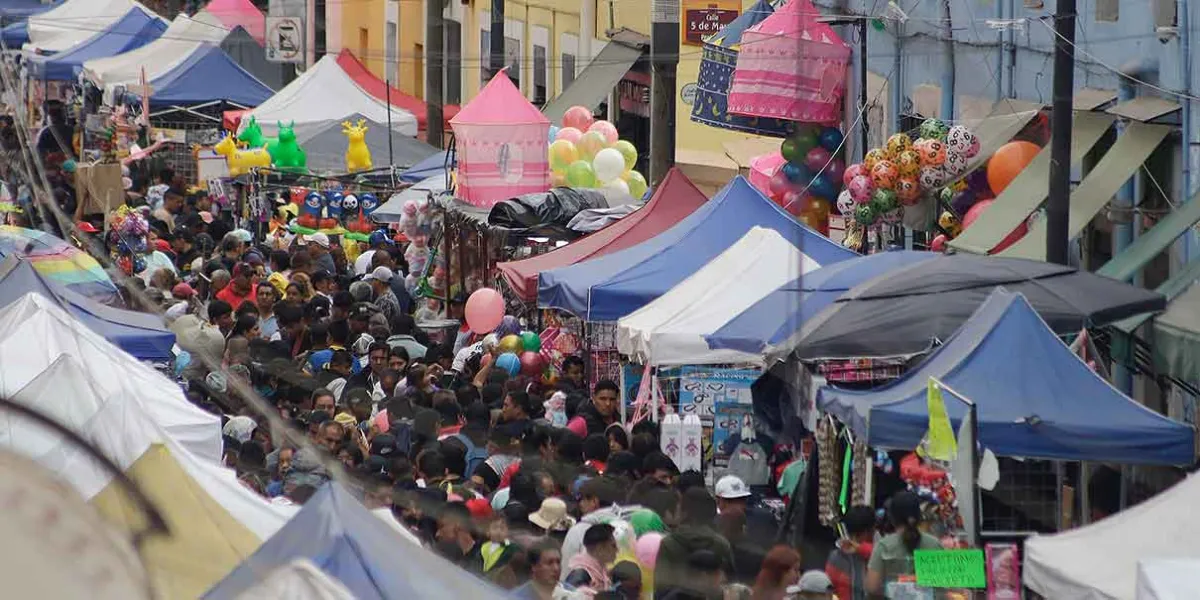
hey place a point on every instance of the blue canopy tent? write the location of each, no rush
(781, 313)
(142, 335)
(358, 549)
(1035, 398)
(15, 35)
(12, 11)
(136, 29)
(433, 166)
(207, 75)
(610, 287)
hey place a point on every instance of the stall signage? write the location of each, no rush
(950, 568)
(704, 18)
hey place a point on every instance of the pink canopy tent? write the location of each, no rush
(791, 67)
(502, 145)
(232, 13)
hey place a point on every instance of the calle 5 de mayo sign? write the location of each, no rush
(702, 18)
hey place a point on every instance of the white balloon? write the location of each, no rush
(618, 186)
(608, 164)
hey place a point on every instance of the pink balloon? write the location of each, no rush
(835, 171)
(779, 184)
(939, 243)
(484, 310)
(579, 117)
(646, 549)
(606, 129)
(795, 202)
(851, 172)
(570, 134)
(861, 189)
(816, 159)
(974, 212)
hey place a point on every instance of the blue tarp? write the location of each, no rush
(15, 35)
(12, 10)
(142, 335)
(208, 75)
(782, 312)
(1035, 398)
(359, 550)
(610, 287)
(136, 29)
(430, 167)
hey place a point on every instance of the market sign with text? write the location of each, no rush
(702, 18)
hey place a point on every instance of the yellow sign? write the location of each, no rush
(702, 18)
(939, 442)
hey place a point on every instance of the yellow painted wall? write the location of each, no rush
(369, 15)
(557, 16)
(412, 34)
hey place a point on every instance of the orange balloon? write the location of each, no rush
(1007, 163)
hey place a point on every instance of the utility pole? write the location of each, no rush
(497, 45)
(664, 64)
(1058, 203)
(433, 72)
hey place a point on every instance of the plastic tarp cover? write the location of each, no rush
(208, 75)
(60, 28)
(1100, 561)
(671, 329)
(135, 29)
(251, 56)
(322, 94)
(1168, 579)
(14, 35)
(142, 335)
(434, 165)
(12, 10)
(612, 286)
(183, 36)
(1050, 404)
(326, 147)
(545, 213)
(674, 198)
(298, 580)
(348, 543)
(240, 13)
(1177, 335)
(393, 209)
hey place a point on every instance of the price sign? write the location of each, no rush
(950, 568)
(702, 19)
(703, 391)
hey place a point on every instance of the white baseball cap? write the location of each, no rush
(383, 274)
(317, 238)
(816, 582)
(731, 487)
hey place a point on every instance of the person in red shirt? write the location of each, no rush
(241, 288)
(847, 564)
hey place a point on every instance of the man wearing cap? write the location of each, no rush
(318, 249)
(324, 284)
(385, 300)
(813, 585)
(184, 245)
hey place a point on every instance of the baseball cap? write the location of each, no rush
(812, 581)
(383, 274)
(321, 275)
(361, 312)
(317, 238)
(86, 227)
(378, 237)
(731, 487)
(383, 445)
(183, 291)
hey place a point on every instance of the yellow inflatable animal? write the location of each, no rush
(358, 155)
(241, 161)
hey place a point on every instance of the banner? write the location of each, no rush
(722, 400)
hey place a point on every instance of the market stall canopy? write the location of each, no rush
(385, 93)
(393, 209)
(348, 544)
(60, 262)
(907, 311)
(239, 13)
(671, 329)
(1101, 560)
(15, 35)
(1167, 578)
(674, 199)
(298, 580)
(326, 147)
(60, 28)
(1034, 397)
(183, 37)
(1177, 335)
(208, 75)
(612, 286)
(251, 56)
(1151, 243)
(322, 94)
(780, 314)
(142, 335)
(12, 11)
(597, 80)
(137, 28)
(433, 166)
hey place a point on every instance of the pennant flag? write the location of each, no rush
(939, 443)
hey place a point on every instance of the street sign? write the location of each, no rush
(285, 39)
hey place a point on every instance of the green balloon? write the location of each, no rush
(790, 149)
(628, 152)
(934, 129)
(946, 194)
(803, 141)
(580, 174)
(865, 215)
(883, 201)
(531, 341)
(637, 184)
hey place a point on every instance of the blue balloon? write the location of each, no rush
(822, 187)
(830, 139)
(509, 362)
(797, 174)
(553, 133)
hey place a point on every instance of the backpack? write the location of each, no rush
(475, 455)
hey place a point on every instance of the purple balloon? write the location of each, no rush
(816, 159)
(835, 170)
(963, 201)
(977, 181)
(509, 325)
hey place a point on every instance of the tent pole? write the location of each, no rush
(388, 88)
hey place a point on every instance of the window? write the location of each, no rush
(512, 59)
(393, 65)
(1164, 13)
(319, 34)
(539, 75)
(452, 91)
(1108, 11)
(364, 43)
(485, 45)
(568, 70)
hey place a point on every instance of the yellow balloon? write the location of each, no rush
(591, 143)
(562, 154)
(637, 184)
(510, 343)
(628, 152)
(558, 179)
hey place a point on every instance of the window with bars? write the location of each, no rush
(568, 70)
(539, 75)
(512, 59)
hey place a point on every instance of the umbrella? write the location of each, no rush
(59, 261)
(907, 311)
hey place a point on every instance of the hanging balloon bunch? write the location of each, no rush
(516, 351)
(811, 176)
(971, 196)
(585, 153)
(904, 171)
(127, 229)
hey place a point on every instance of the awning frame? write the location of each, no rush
(616, 58)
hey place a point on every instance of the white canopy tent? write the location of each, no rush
(34, 332)
(184, 36)
(1100, 561)
(325, 93)
(73, 22)
(299, 580)
(671, 329)
(1168, 579)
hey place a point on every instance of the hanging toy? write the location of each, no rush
(310, 216)
(241, 161)
(368, 202)
(287, 154)
(333, 209)
(358, 155)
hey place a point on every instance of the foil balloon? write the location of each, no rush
(530, 341)
(835, 171)
(510, 343)
(816, 159)
(509, 363)
(509, 325)
(532, 363)
(831, 139)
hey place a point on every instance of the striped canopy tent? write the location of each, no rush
(60, 262)
(791, 66)
(716, 73)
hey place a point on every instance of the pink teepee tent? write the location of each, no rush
(791, 67)
(502, 145)
(232, 13)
